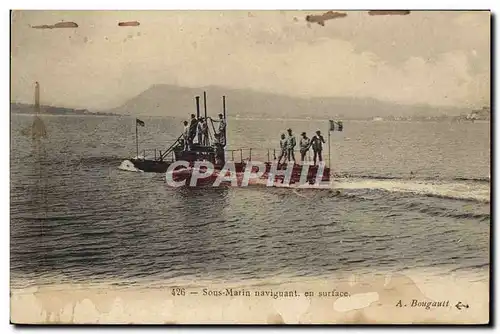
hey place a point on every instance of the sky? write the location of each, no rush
(440, 58)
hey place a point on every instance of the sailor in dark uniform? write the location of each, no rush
(193, 126)
(317, 145)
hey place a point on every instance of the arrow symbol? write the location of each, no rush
(461, 306)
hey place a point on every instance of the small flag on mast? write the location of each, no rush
(139, 122)
(336, 125)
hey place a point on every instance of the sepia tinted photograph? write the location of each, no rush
(250, 167)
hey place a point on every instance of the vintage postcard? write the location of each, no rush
(250, 167)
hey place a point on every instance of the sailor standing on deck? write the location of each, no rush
(291, 143)
(185, 135)
(304, 146)
(283, 147)
(222, 129)
(317, 145)
(192, 129)
(202, 131)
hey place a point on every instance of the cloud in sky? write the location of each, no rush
(438, 58)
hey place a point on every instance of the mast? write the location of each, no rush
(197, 106)
(224, 106)
(205, 103)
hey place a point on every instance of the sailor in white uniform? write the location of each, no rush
(185, 135)
(304, 146)
(284, 148)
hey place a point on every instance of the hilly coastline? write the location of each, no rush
(170, 100)
(24, 108)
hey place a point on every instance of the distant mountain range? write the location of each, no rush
(169, 100)
(23, 108)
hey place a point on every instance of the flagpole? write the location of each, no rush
(329, 167)
(136, 141)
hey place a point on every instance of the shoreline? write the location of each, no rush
(448, 121)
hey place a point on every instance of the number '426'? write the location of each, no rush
(178, 292)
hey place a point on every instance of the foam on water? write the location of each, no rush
(461, 190)
(454, 190)
(127, 165)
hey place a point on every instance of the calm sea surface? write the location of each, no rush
(412, 195)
